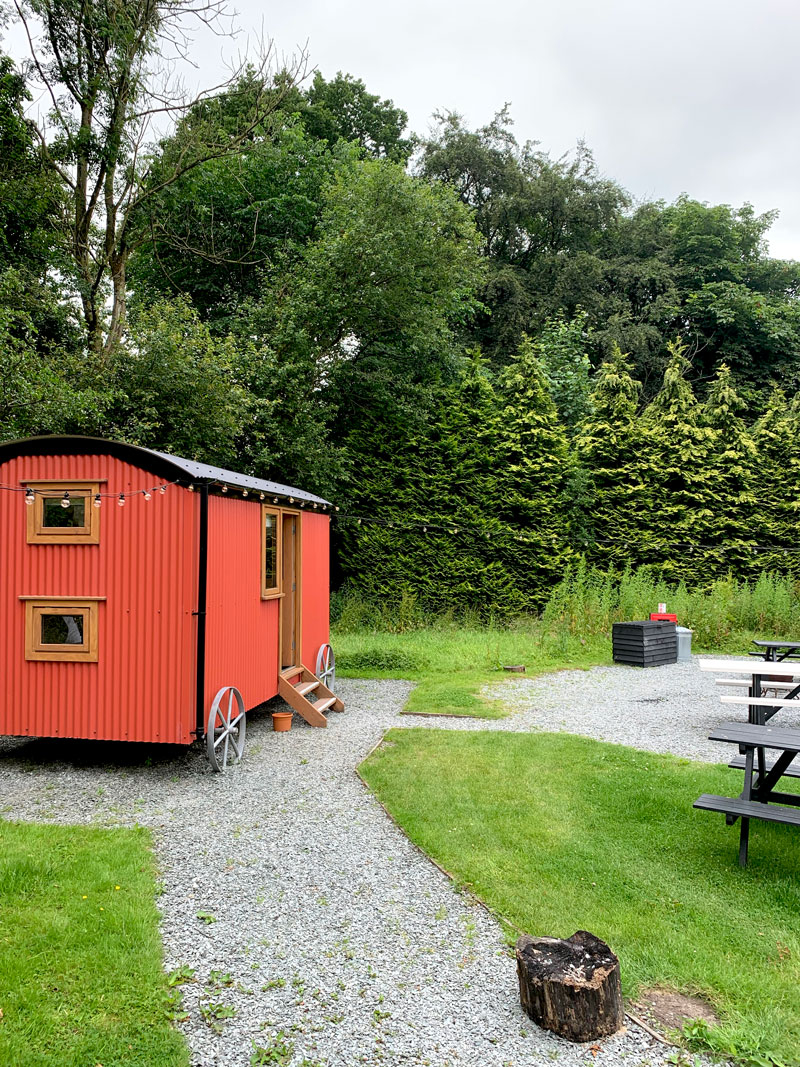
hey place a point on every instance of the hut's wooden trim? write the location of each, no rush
(36, 649)
(87, 534)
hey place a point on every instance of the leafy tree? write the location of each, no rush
(561, 351)
(420, 489)
(30, 193)
(464, 511)
(558, 237)
(532, 474)
(213, 232)
(731, 471)
(757, 335)
(393, 270)
(777, 491)
(176, 386)
(98, 64)
(286, 435)
(342, 110)
(542, 223)
(678, 449)
(44, 385)
(611, 450)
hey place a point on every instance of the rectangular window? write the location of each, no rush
(270, 552)
(63, 514)
(61, 629)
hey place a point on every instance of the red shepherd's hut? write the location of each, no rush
(147, 597)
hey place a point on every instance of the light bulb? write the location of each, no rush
(274, 500)
(244, 492)
(28, 496)
(121, 500)
(65, 502)
(291, 500)
(262, 496)
(146, 494)
(97, 500)
(224, 489)
(163, 489)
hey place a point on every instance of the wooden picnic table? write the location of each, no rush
(757, 677)
(777, 651)
(759, 798)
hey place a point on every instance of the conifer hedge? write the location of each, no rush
(485, 499)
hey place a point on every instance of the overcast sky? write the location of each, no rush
(671, 95)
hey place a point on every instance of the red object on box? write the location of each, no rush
(657, 616)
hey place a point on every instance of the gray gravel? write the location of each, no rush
(660, 709)
(332, 935)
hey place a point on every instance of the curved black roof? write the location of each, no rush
(173, 468)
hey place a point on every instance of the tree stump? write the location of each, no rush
(571, 987)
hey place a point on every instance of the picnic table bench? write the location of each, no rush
(759, 795)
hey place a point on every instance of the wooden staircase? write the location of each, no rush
(297, 684)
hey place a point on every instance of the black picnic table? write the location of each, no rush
(776, 651)
(759, 798)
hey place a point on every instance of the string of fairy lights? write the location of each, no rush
(67, 500)
(423, 527)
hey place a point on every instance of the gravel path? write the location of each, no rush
(334, 940)
(660, 709)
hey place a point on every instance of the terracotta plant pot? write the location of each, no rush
(281, 721)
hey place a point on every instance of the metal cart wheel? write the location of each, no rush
(326, 666)
(227, 726)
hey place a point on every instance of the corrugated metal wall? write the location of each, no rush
(241, 628)
(143, 686)
(316, 585)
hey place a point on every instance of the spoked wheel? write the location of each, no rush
(326, 666)
(226, 729)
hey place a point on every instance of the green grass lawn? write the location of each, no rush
(451, 664)
(81, 979)
(560, 833)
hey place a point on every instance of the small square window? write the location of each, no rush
(62, 513)
(56, 517)
(61, 629)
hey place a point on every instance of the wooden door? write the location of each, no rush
(290, 584)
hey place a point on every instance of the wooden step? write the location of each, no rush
(303, 707)
(295, 691)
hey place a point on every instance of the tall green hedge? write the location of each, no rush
(482, 500)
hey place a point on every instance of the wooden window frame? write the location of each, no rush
(37, 651)
(274, 591)
(38, 534)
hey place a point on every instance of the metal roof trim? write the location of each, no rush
(160, 463)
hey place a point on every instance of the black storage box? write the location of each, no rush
(645, 643)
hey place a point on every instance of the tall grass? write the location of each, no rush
(588, 602)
